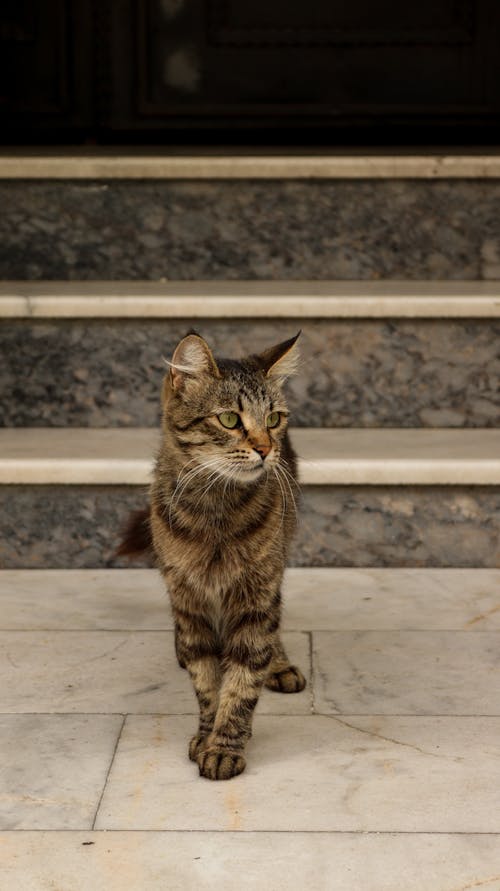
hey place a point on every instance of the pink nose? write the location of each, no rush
(262, 449)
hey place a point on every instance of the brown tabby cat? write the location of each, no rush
(222, 516)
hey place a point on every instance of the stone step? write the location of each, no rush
(374, 354)
(347, 457)
(222, 228)
(79, 526)
(370, 498)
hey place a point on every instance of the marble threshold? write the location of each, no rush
(126, 164)
(249, 299)
(343, 456)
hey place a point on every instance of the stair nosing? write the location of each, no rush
(476, 464)
(108, 165)
(250, 299)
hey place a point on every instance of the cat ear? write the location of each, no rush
(280, 361)
(192, 358)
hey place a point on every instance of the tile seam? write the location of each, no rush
(306, 631)
(112, 761)
(264, 715)
(294, 832)
(312, 672)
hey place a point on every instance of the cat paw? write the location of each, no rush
(288, 680)
(196, 745)
(220, 764)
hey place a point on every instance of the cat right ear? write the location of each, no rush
(192, 358)
(280, 361)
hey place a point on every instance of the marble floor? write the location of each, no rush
(383, 775)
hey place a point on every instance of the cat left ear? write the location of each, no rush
(280, 361)
(192, 358)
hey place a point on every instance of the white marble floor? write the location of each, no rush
(383, 775)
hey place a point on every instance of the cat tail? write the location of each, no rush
(136, 536)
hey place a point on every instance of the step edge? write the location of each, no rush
(139, 472)
(403, 468)
(253, 300)
(82, 166)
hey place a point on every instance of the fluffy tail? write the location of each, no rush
(136, 535)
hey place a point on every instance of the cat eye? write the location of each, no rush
(273, 419)
(229, 419)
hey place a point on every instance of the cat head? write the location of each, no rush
(228, 415)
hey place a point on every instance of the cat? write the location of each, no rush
(221, 519)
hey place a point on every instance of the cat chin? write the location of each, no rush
(243, 475)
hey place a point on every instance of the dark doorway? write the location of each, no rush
(330, 72)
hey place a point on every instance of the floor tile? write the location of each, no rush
(53, 769)
(336, 599)
(93, 671)
(381, 774)
(327, 598)
(83, 599)
(211, 861)
(406, 672)
(105, 671)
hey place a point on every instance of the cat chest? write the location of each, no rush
(214, 564)
(212, 569)
(211, 566)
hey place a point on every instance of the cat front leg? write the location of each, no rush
(246, 660)
(198, 651)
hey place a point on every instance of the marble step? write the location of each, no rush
(374, 354)
(345, 457)
(370, 498)
(249, 228)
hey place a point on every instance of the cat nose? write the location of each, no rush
(262, 449)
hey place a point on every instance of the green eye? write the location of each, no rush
(229, 419)
(273, 419)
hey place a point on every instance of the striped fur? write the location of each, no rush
(223, 512)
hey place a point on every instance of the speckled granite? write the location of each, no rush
(77, 526)
(365, 373)
(328, 229)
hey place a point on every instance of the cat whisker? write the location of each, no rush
(284, 499)
(291, 479)
(280, 470)
(185, 479)
(212, 479)
(199, 467)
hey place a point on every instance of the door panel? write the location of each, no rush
(332, 71)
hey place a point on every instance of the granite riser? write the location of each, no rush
(250, 229)
(78, 526)
(362, 373)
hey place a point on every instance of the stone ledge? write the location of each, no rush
(123, 456)
(106, 165)
(250, 299)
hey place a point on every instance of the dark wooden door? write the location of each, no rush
(327, 71)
